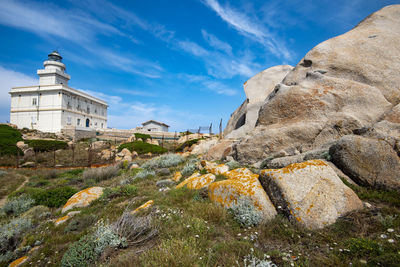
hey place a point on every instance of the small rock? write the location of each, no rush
(197, 181)
(18, 262)
(390, 230)
(144, 206)
(83, 198)
(177, 176)
(133, 166)
(28, 164)
(163, 172)
(165, 183)
(367, 205)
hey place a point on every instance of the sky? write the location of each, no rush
(182, 62)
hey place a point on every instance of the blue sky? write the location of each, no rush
(182, 62)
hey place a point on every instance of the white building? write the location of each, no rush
(52, 104)
(154, 126)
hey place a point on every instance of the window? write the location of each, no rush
(69, 120)
(102, 125)
(78, 122)
(95, 124)
(95, 111)
(88, 110)
(34, 101)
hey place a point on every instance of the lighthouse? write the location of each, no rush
(52, 105)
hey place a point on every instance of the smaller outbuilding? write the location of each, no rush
(155, 126)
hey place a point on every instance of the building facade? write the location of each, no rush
(154, 126)
(53, 105)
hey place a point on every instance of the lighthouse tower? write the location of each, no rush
(54, 71)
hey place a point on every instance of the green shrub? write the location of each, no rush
(11, 233)
(363, 247)
(46, 145)
(245, 213)
(8, 139)
(17, 205)
(80, 223)
(54, 198)
(127, 190)
(188, 143)
(142, 147)
(71, 173)
(85, 251)
(51, 197)
(164, 161)
(144, 137)
(101, 174)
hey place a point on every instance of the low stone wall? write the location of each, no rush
(78, 133)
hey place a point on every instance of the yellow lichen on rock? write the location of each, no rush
(62, 220)
(237, 173)
(242, 183)
(197, 181)
(177, 177)
(18, 262)
(83, 198)
(143, 207)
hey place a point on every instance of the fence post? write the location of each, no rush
(17, 156)
(175, 141)
(220, 129)
(73, 154)
(162, 141)
(187, 134)
(89, 155)
(54, 155)
(210, 129)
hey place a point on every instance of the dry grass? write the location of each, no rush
(10, 180)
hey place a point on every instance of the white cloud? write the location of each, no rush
(10, 78)
(213, 41)
(207, 82)
(79, 27)
(250, 28)
(193, 48)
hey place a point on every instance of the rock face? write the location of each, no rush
(257, 90)
(197, 181)
(203, 146)
(310, 193)
(242, 183)
(219, 151)
(343, 84)
(83, 198)
(367, 161)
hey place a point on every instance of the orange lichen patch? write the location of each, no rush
(143, 207)
(83, 198)
(228, 192)
(62, 220)
(18, 262)
(237, 173)
(218, 169)
(197, 182)
(177, 177)
(295, 166)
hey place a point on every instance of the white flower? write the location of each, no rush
(390, 230)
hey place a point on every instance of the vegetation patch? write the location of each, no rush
(245, 213)
(52, 198)
(188, 143)
(17, 205)
(101, 174)
(164, 161)
(46, 145)
(8, 140)
(142, 148)
(144, 137)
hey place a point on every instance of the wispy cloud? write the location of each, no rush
(10, 78)
(80, 28)
(250, 28)
(193, 48)
(207, 82)
(213, 41)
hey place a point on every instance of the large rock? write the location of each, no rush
(310, 193)
(257, 89)
(100, 145)
(242, 183)
(367, 161)
(345, 83)
(203, 146)
(83, 198)
(220, 151)
(197, 181)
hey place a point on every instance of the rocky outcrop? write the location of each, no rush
(83, 198)
(343, 84)
(214, 168)
(368, 162)
(309, 193)
(242, 183)
(203, 146)
(197, 181)
(220, 151)
(257, 89)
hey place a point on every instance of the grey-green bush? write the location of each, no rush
(17, 205)
(164, 161)
(100, 174)
(188, 169)
(145, 174)
(245, 213)
(11, 233)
